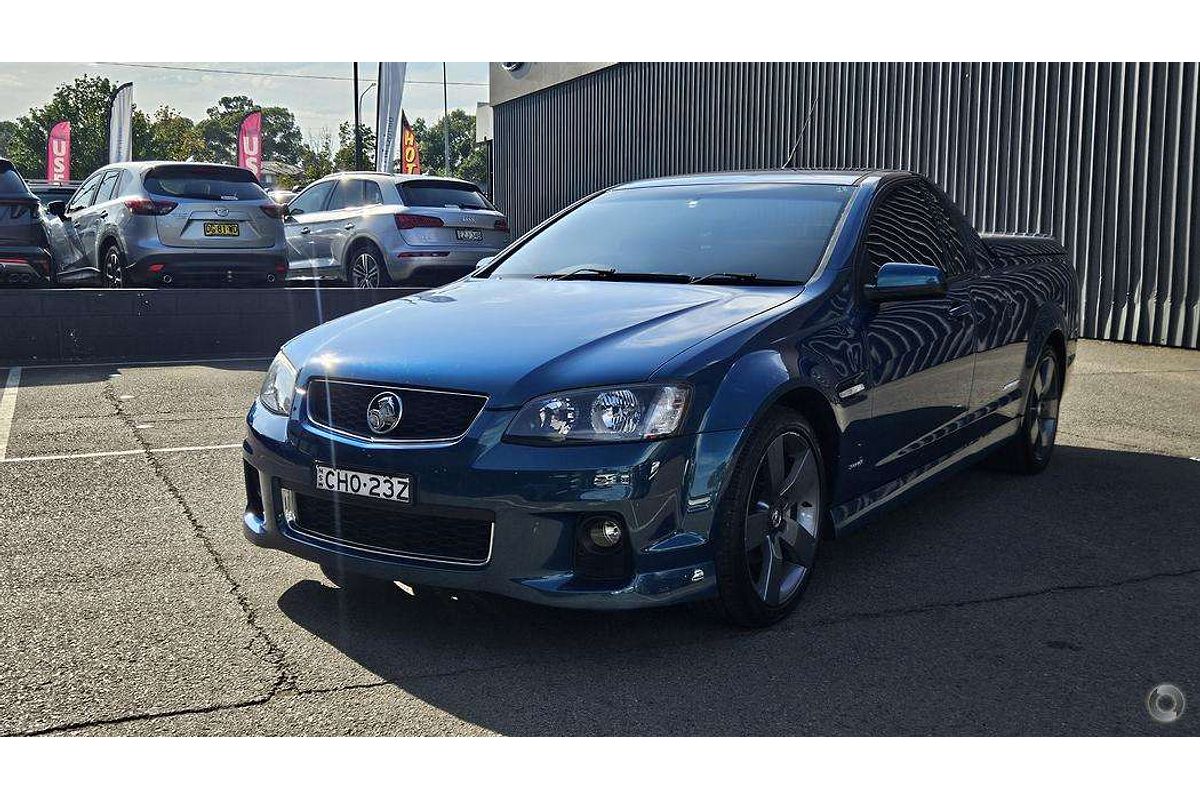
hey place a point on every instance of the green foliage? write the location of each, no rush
(219, 129)
(343, 159)
(83, 103)
(168, 135)
(467, 160)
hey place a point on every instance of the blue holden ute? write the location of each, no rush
(671, 391)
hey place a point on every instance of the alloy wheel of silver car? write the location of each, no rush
(783, 518)
(1043, 406)
(114, 270)
(364, 272)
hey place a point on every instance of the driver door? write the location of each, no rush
(921, 351)
(303, 212)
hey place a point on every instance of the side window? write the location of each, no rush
(122, 184)
(356, 193)
(107, 186)
(83, 197)
(312, 199)
(341, 196)
(371, 194)
(903, 228)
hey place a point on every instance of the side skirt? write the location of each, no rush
(853, 513)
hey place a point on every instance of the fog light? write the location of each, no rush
(604, 532)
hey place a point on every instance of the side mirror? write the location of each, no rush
(483, 262)
(906, 282)
(57, 207)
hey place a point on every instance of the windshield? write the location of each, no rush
(10, 182)
(204, 183)
(442, 194)
(773, 231)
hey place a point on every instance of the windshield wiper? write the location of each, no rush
(742, 277)
(558, 276)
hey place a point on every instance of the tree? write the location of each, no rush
(83, 103)
(343, 159)
(467, 160)
(316, 161)
(281, 138)
(169, 136)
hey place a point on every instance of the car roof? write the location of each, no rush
(142, 167)
(399, 178)
(847, 177)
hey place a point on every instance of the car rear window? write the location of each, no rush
(204, 183)
(442, 194)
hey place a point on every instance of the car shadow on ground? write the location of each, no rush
(993, 604)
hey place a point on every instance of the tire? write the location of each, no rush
(1030, 449)
(358, 584)
(112, 268)
(366, 269)
(768, 526)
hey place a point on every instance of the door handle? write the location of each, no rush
(349, 226)
(103, 213)
(306, 229)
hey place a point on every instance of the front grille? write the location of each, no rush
(428, 415)
(393, 532)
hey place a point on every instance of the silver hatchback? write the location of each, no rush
(372, 229)
(168, 223)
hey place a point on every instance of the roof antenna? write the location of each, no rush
(803, 130)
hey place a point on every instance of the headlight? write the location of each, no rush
(279, 386)
(609, 414)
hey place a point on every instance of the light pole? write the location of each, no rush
(370, 86)
(357, 124)
(445, 120)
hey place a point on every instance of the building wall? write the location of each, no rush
(1101, 156)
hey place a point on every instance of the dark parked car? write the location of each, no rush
(671, 391)
(24, 253)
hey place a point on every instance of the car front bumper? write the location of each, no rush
(664, 492)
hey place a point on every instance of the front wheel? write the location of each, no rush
(771, 521)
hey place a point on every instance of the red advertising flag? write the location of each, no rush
(250, 143)
(58, 153)
(410, 151)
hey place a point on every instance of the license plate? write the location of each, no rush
(364, 484)
(467, 235)
(222, 229)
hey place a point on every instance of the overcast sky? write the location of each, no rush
(317, 103)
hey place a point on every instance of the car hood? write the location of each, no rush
(518, 338)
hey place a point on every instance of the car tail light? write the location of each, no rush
(281, 266)
(273, 211)
(409, 221)
(146, 207)
(501, 225)
(157, 267)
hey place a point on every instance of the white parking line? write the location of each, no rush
(8, 407)
(114, 453)
(185, 362)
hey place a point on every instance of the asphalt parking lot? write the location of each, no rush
(994, 604)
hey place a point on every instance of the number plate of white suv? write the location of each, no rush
(468, 235)
(365, 484)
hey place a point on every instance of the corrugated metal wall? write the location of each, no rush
(1101, 156)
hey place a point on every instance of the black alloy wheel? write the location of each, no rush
(772, 521)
